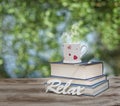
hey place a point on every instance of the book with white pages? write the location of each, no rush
(87, 82)
(95, 89)
(77, 70)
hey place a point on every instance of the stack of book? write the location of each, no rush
(88, 75)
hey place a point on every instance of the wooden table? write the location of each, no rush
(31, 92)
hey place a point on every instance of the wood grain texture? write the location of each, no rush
(31, 92)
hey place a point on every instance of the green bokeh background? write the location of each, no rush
(30, 34)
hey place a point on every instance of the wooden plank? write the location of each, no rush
(31, 92)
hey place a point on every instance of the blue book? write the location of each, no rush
(78, 70)
(85, 82)
(95, 89)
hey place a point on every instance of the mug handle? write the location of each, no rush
(83, 51)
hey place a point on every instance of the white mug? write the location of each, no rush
(73, 52)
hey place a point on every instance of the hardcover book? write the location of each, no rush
(86, 82)
(77, 70)
(95, 89)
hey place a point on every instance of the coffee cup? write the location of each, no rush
(73, 52)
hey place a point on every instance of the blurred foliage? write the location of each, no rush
(30, 31)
